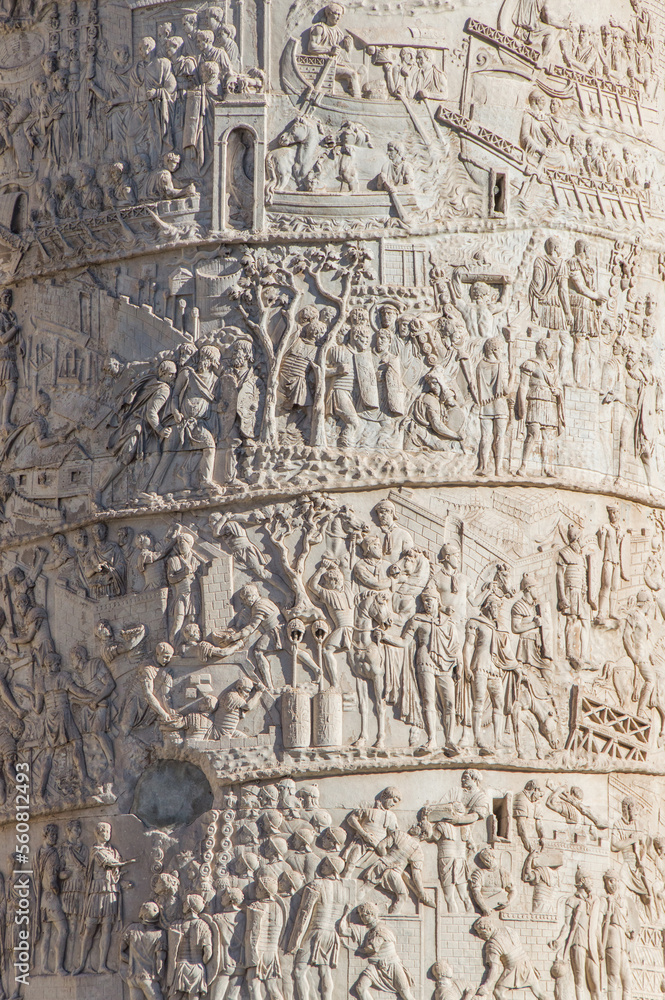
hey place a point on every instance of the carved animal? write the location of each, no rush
(536, 709)
(297, 153)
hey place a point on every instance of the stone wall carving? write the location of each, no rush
(332, 532)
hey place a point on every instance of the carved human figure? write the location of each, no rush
(507, 966)
(190, 950)
(617, 933)
(431, 81)
(329, 586)
(301, 855)
(102, 898)
(528, 816)
(449, 827)
(536, 134)
(233, 535)
(447, 987)
(315, 939)
(401, 73)
(569, 803)
(531, 620)
(148, 694)
(95, 719)
(400, 861)
(354, 392)
(52, 921)
(119, 189)
(438, 658)
(490, 884)
(574, 599)
(451, 583)
(19, 887)
(300, 372)
(396, 539)
(585, 302)
(326, 38)
(115, 95)
(74, 856)
(384, 972)
(397, 172)
(410, 574)
(112, 646)
(181, 566)
(265, 924)
(161, 185)
(11, 730)
(53, 693)
(484, 655)
(9, 347)
(370, 574)
(257, 615)
(33, 630)
(246, 389)
(480, 310)
(492, 389)
(370, 825)
(539, 403)
(436, 418)
(390, 383)
(154, 87)
(195, 409)
(234, 704)
(231, 924)
(630, 843)
(614, 547)
(578, 941)
(106, 569)
(644, 399)
(143, 951)
(549, 298)
(61, 561)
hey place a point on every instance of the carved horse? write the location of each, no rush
(297, 154)
(533, 706)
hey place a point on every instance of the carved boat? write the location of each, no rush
(333, 205)
(309, 81)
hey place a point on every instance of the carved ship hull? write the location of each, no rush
(336, 205)
(309, 82)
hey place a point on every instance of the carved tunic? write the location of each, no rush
(323, 904)
(59, 724)
(548, 293)
(102, 888)
(265, 920)
(74, 859)
(147, 949)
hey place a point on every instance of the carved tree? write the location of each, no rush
(268, 294)
(306, 520)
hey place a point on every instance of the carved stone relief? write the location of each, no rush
(332, 493)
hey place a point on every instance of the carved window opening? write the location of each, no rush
(85, 311)
(500, 820)
(240, 178)
(19, 214)
(498, 194)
